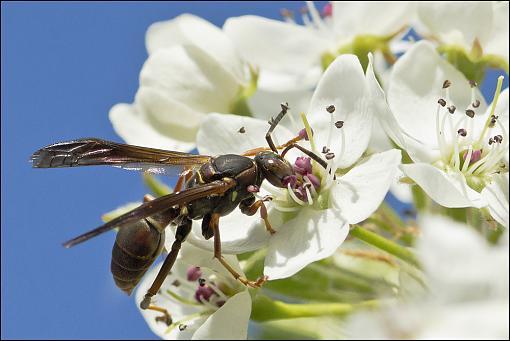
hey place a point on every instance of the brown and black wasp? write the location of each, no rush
(208, 188)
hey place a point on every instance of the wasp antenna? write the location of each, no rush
(273, 122)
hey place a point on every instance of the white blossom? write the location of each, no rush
(467, 295)
(457, 144)
(310, 224)
(204, 301)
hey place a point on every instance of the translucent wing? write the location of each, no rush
(157, 205)
(92, 151)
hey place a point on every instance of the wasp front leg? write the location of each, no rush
(214, 224)
(250, 206)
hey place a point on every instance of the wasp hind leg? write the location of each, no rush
(214, 223)
(181, 233)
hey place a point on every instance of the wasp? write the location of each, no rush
(207, 188)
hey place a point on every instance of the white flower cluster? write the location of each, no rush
(381, 112)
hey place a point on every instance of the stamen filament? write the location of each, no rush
(309, 196)
(314, 13)
(467, 159)
(308, 132)
(493, 108)
(314, 192)
(294, 196)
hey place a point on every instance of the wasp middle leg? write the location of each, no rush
(181, 233)
(217, 254)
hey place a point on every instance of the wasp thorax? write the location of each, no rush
(274, 168)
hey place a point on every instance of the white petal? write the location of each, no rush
(343, 85)
(447, 189)
(188, 29)
(496, 194)
(188, 75)
(177, 310)
(498, 41)
(360, 192)
(415, 87)
(239, 233)
(276, 81)
(219, 134)
(382, 111)
(230, 322)
(312, 235)
(459, 263)
(457, 23)
(275, 45)
(136, 128)
(360, 18)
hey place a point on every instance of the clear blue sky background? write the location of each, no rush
(63, 67)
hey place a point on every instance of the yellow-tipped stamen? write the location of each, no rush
(493, 108)
(308, 132)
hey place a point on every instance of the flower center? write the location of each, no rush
(462, 149)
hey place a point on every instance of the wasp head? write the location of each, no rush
(274, 168)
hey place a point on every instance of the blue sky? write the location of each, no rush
(64, 65)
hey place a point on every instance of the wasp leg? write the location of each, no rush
(183, 178)
(166, 318)
(180, 235)
(250, 207)
(273, 122)
(217, 254)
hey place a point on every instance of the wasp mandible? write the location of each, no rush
(207, 188)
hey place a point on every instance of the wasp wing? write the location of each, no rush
(155, 206)
(92, 151)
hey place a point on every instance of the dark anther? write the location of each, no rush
(201, 282)
(182, 327)
(446, 84)
(498, 138)
(492, 123)
(462, 132)
(176, 283)
(476, 104)
(286, 13)
(242, 130)
(452, 109)
(329, 156)
(339, 124)
(470, 113)
(472, 84)
(441, 102)
(330, 109)
(325, 150)
(303, 10)
(491, 141)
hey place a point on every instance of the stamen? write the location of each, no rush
(287, 15)
(325, 150)
(467, 159)
(476, 104)
(312, 185)
(309, 196)
(193, 273)
(330, 109)
(472, 84)
(493, 108)
(441, 102)
(316, 18)
(327, 10)
(309, 132)
(470, 113)
(294, 197)
(446, 84)
(462, 132)
(494, 118)
(330, 156)
(498, 138)
(339, 124)
(451, 109)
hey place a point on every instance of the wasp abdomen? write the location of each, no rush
(135, 249)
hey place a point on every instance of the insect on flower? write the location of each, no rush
(207, 189)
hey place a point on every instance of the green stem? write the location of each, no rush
(265, 309)
(385, 245)
(157, 187)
